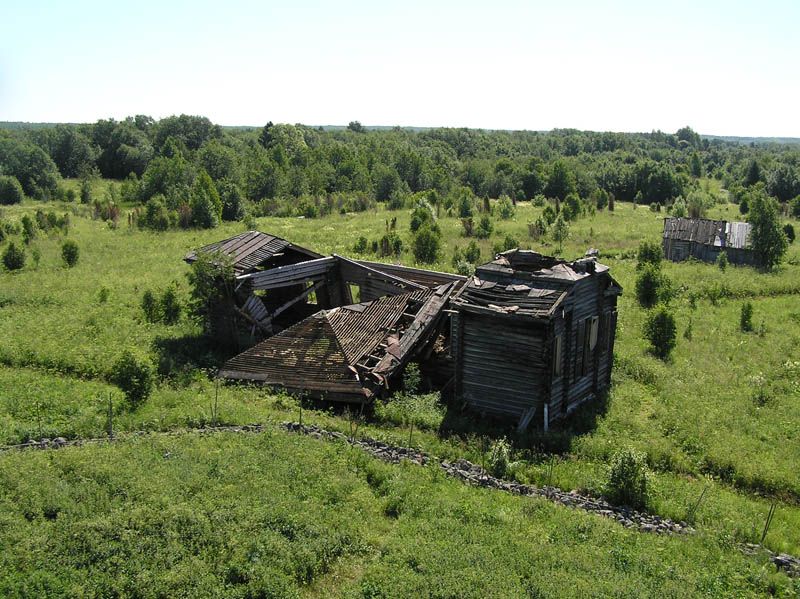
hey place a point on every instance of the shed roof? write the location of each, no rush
(250, 249)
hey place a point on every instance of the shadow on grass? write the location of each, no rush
(466, 424)
(181, 355)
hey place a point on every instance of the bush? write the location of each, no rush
(538, 200)
(361, 245)
(661, 332)
(70, 253)
(722, 261)
(170, 307)
(424, 411)
(794, 207)
(86, 191)
(499, 457)
(473, 252)
(627, 479)
(422, 215)
(13, 257)
(10, 190)
(649, 253)
(560, 232)
(788, 230)
(679, 209)
(652, 286)
(28, 229)
(485, 227)
(134, 377)
(426, 245)
(746, 317)
(505, 208)
(150, 307)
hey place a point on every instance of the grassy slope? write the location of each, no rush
(696, 417)
(231, 516)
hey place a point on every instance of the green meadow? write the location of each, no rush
(274, 515)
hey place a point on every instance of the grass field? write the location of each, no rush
(723, 415)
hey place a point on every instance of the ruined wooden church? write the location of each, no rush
(529, 337)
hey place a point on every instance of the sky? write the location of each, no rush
(723, 68)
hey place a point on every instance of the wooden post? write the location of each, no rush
(768, 523)
(110, 420)
(39, 419)
(216, 403)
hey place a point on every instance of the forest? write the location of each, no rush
(185, 171)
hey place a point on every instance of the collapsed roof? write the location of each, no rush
(526, 283)
(347, 353)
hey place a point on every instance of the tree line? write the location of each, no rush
(186, 170)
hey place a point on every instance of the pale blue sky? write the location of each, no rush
(729, 68)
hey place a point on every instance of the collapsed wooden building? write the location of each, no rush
(705, 239)
(528, 337)
(533, 336)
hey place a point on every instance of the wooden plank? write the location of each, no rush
(297, 299)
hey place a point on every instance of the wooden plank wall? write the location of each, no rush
(503, 365)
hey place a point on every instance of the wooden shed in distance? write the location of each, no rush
(705, 239)
(532, 336)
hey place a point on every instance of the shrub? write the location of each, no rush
(423, 411)
(361, 245)
(426, 245)
(679, 209)
(469, 226)
(86, 191)
(652, 286)
(560, 232)
(794, 207)
(134, 377)
(485, 227)
(661, 332)
(464, 268)
(549, 214)
(10, 190)
(391, 245)
(412, 379)
(232, 200)
(505, 208)
(28, 229)
(627, 479)
(538, 200)
(788, 230)
(473, 252)
(170, 307)
(746, 317)
(70, 253)
(649, 253)
(422, 215)
(150, 307)
(465, 206)
(722, 261)
(572, 207)
(601, 199)
(13, 257)
(499, 457)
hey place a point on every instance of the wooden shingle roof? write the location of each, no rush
(250, 249)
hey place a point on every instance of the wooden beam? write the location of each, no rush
(300, 297)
